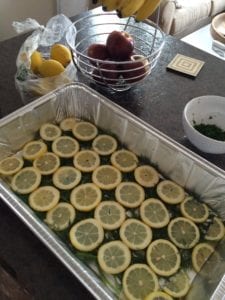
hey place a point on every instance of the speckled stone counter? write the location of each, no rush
(159, 100)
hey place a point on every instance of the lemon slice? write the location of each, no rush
(104, 144)
(146, 176)
(163, 257)
(200, 254)
(114, 257)
(158, 296)
(216, 230)
(44, 198)
(183, 233)
(86, 197)
(170, 192)
(34, 149)
(194, 210)
(11, 165)
(86, 160)
(66, 178)
(138, 281)
(49, 132)
(124, 160)
(154, 213)
(86, 235)
(47, 164)
(106, 177)
(65, 146)
(110, 214)
(67, 124)
(135, 234)
(84, 131)
(130, 194)
(177, 285)
(26, 180)
(61, 216)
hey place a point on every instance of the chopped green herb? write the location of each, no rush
(210, 130)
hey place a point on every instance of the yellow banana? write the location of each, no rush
(110, 5)
(129, 7)
(147, 9)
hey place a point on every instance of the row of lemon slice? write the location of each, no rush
(162, 256)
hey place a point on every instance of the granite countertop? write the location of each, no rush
(159, 100)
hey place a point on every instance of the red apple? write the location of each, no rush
(97, 51)
(119, 45)
(107, 72)
(136, 69)
(97, 76)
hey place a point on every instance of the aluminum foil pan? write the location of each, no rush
(171, 159)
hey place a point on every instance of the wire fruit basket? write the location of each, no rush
(116, 74)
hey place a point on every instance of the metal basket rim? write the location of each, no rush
(148, 22)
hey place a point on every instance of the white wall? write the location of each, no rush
(72, 7)
(41, 10)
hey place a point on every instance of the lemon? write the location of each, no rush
(34, 149)
(86, 235)
(163, 257)
(66, 178)
(47, 164)
(49, 132)
(110, 214)
(177, 285)
(86, 160)
(138, 281)
(44, 198)
(86, 197)
(146, 176)
(194, 210)
(170, 192)
(135, 234)
(36, 60)
(200, 254)
(183, 233)
(61, 53)
(154, 213)
(214, 266)
(65, 146)
(104, 144)
(215, 231)
(61, 216)
(26, 180)
(106, 177)
(84, 131)
(129, 194)
(50, 67)
(159, 295)
(67, 124)
(124, 160)
(114, 257)
(11, 165)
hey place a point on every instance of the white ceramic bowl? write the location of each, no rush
(207, 110)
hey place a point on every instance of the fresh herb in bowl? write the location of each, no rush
(211, 130)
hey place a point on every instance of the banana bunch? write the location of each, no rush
(147, 9)
(140, 9)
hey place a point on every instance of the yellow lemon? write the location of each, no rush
(36, 60)
(50, 68)
(61, 53)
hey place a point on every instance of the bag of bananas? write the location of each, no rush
(139, 9)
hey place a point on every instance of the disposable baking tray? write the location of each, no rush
(171, 159)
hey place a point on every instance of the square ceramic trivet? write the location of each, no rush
(185, 64)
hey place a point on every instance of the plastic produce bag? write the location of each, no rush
(31, 85)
